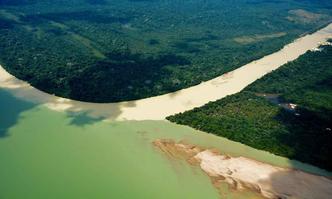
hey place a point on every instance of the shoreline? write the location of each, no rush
(242, 173)
(159, 107)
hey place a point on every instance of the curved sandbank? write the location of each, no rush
(242, 173)
(159, 107)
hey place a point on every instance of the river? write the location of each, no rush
(52, 147)
(51, 154)
(159, 107)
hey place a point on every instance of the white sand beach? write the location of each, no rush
(246, 174)
(159, 107)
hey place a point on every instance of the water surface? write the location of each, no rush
(50, 154)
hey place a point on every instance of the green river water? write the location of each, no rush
(46, 154)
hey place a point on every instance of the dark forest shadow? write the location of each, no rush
(310, 136)
(10, 110)
(123, 76)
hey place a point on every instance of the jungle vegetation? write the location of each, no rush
(116, 50)
(262, 115)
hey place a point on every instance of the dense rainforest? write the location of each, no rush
(288, 112)
(116, 50)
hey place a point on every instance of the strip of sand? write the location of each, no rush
(246, 174)
(159, 107)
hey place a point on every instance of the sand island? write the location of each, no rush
(242, 173)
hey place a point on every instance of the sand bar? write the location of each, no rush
(246, 174)
(159, 107)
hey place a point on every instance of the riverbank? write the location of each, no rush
(159, 107)
(246, 174)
